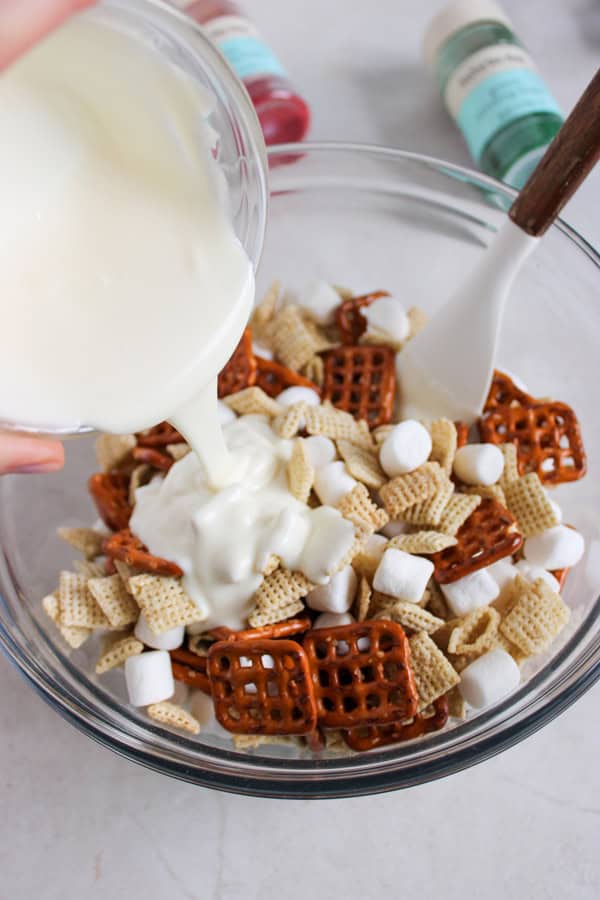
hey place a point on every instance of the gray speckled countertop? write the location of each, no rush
(78, 822)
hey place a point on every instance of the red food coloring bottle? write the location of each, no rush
(284, 116)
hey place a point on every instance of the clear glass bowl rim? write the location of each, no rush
(354, 776)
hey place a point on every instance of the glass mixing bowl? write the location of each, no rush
(368, 218)
(239, 143)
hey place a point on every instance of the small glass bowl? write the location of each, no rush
(240, 149)
(369, 218)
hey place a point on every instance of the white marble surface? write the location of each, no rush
(78, 822)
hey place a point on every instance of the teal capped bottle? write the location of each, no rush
(491, 88)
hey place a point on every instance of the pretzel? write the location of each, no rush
(240, 371)
(151, 457)
(489, 534)
(504, 392)
(190, 669)
(361, 682)
(361, 381)
(368, 737)
(462, 434)
(273, 632)
(127, 547)
(160, 436)
(262, 687)
(561, 576)
(349, 320)
(547, 437)
(110, 493)
(274, 378)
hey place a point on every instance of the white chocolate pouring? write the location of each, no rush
(222, 541)
(123, 287)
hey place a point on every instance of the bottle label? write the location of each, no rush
(493, 87)
(243, 48)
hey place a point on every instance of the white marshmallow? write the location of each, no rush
(403, 576)
(320, 450)
(474, 590)
(332, 482)
(332, 620)
(298, 394)
(203, 709)
(558, 513)
(489, 678)
(532, 573)
(503, 572)
(329, 542)
(405, 448)
(557, 548)
(226, 415)
(394, 528)
(181, 694)
(337, 595)
(479, 464)
(261, 351)
(375, 546)
(149, 678)
(386, 317)
(167, 640)
(321, 299)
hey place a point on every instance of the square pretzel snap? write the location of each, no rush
(547, 437)
(262, 687)
(361, 381)
(361, 674)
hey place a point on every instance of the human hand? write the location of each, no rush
(23, 453)
(22, 23)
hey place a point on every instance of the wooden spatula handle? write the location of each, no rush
(568, 160)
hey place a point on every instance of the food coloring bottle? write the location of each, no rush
(284, 116)
(491, 88)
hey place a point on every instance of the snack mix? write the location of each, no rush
(451, 583)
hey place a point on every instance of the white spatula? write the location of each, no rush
(447, 369)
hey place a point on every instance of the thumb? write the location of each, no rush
(21, 453)
(24, 22)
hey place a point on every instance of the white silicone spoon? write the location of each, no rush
(447, 369)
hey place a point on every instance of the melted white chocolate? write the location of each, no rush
(222, 540)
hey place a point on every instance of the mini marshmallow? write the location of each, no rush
(166, 640)
(386, 316)
(149, 678)
(474, 590)
(532, 573)
(489, 678)
(332, 620)
(320, 450)
(557, 548)
(321, 300)
(503, 572)
(405, 448)
(203, 709)
(181, 694)
(332, 482)
(375, 546)
(226, 415)
(558, 513)
(298, 394)
(394, 528)
(261, 351)
(402, 575)
(479, 464)
(329, 542)
(336, 596)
